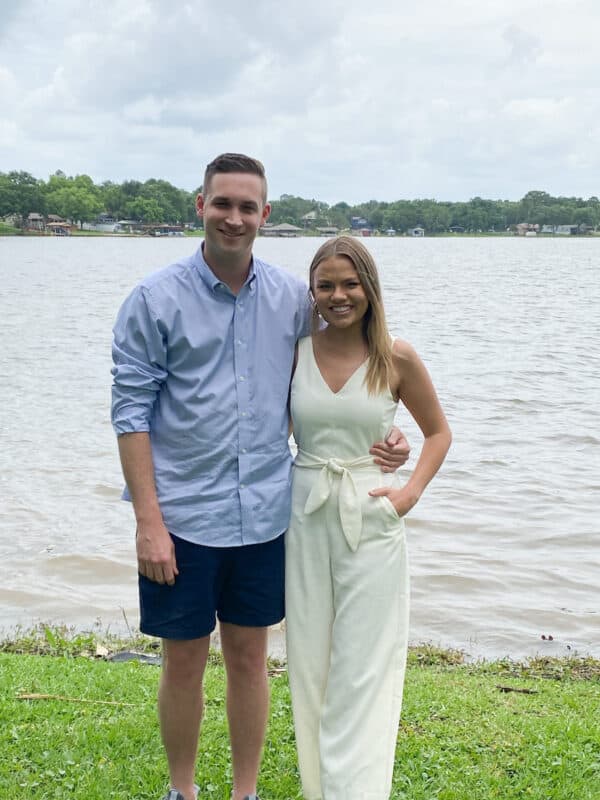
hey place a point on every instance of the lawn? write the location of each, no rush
(76, 725)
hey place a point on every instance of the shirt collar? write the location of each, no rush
(214, 283)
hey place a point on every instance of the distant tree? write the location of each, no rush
(21, 193)
(585, 216)
(534, 207)
(435, 217)
(292, 209)
(131, 189)
(375, 217)
(342, 207)
(339, 215)
(144, 209)
(190, 214)
(156, 200)
(7, 198)
(55, 182)
(75, 202)
(168, 198)
(112, 197)
(401, 215)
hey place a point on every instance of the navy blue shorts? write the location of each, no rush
(241, 585)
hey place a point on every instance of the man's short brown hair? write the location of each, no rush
(235, 162)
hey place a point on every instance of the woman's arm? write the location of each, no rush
(415, 390)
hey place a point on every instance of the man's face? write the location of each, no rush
(233, 210)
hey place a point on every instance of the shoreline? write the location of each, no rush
(31, 234)
(65, 641)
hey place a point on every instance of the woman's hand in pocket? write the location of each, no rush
(401, 498)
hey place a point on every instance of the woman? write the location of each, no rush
(346, 567)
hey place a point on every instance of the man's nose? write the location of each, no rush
(234, 218)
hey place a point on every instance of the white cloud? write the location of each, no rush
(340, 99)
(524, 46)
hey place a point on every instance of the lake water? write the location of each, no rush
(504, 544)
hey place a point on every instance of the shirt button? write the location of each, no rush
(243, 413)
(244, 450)
(242, 485)
(242, 378)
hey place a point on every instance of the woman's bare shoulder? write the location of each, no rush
(403, 352)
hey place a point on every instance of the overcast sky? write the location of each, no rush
(447, 99)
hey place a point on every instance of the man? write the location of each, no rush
(203, 353)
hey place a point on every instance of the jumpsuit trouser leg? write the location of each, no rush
(309, 619)
(363, 598)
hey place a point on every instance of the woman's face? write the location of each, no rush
(338, 292)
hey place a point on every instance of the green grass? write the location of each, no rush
(463, 736)
(8, 230)
(75, 231)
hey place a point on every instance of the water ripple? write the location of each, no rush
(503, 544)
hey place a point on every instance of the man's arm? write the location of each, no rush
(155, 551)
(391, 453)
(139, 357)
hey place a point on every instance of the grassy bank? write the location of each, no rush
(76, 725)
(8, 230)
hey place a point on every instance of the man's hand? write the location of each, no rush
(391, 453)
(156, 553)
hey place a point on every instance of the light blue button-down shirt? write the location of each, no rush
(207, 374)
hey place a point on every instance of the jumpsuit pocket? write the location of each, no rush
(380, 519)
(389, 507)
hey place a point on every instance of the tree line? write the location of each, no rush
(79, 199)
(157, 201)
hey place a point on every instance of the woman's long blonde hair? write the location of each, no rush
(379, 369)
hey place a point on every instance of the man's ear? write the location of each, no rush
(265, 213)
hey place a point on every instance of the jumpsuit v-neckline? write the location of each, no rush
(359, 368)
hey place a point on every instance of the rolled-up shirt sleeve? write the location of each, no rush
(139, 353)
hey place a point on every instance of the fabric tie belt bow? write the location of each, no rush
(349, 504)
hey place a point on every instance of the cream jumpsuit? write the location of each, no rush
(347, 590)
